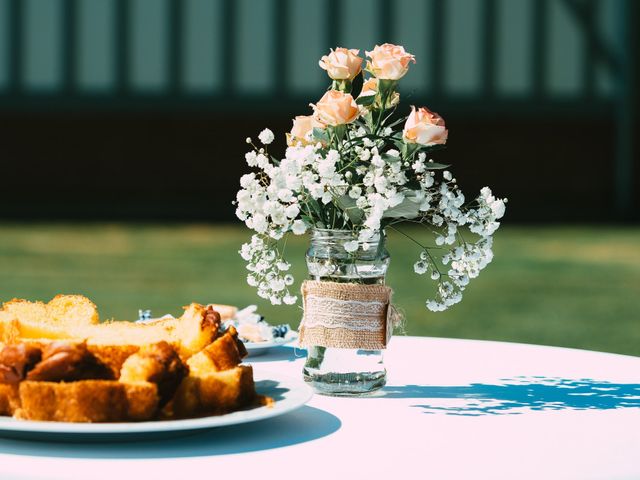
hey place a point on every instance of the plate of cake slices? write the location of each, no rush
(66, 376)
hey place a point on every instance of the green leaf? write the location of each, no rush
(409, 208)
(390, 158)
(397, 122)
(366, 100)
(348, 206)
(435, 166)
(313, 203)
(386, 87)
(320, 134)
(340, 131)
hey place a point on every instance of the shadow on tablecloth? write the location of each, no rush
(302, 425)
(519, 395)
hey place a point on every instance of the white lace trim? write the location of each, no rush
(349, 314)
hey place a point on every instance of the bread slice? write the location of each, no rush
(112, 342)
(9, 399)
(223, 353)
(217, 382)
(73, 310)
(87, 401)
(53, 320)
(214, 393)
(9, 328)
(189, 334)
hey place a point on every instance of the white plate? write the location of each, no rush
(289, 394)
(260, 348)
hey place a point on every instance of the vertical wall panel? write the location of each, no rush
(463, 46)
(359, 26)
(202, 48)
(308, 41)
(608, 27)
(410, 18)
(255, 46)
(96, 45)
(149, 59)
(515, 47)
(566, 52)
(4, 44)
(42, 40)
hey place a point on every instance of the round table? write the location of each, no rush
(451, 409)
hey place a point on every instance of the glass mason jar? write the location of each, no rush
(345, 371)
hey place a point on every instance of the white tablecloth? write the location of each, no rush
(452, 409)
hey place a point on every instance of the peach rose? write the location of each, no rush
(336, 108)
(389, 62)
(342, 64)
(424, 127)
(303, 125)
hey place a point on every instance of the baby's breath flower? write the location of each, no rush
(351, 246)
(289, 299)
(420, 268)
(266, 136)
(298, 227)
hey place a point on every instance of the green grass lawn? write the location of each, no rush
(573, 286)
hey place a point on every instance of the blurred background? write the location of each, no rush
(122, 127)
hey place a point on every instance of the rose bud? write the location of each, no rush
(370, 87)
(389, 62)
(342, 64)
(303, 126)
(336, 108)
(424, 127)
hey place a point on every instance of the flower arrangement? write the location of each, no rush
(354, 164)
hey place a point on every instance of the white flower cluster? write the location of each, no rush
(465, 260)
(267, 271)
(315, 186)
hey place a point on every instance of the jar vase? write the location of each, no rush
(331, 257)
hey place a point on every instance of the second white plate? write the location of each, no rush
(260, 348)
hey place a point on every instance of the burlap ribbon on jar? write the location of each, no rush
(347, 315)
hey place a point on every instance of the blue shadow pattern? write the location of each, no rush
(519, 394)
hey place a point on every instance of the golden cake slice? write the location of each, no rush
(214, 393)
(9, 399)
(64, 381)
(225, 352)
(158, 363)
(54, 320)
(217, 382)
(112, 341)
(87, 401)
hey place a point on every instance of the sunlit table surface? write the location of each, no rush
(451, 409)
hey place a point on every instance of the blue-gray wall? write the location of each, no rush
(269, 48)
